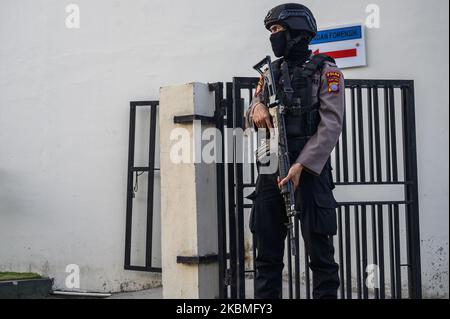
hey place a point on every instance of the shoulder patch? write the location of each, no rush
(333, 79)
(260, 86)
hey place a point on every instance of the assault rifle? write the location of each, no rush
(278, 110)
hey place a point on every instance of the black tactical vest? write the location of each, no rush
(302, 117)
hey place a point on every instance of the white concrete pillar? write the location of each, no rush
(188, 199)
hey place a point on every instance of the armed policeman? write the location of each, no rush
(312, 89)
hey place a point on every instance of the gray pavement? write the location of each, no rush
(156, 293)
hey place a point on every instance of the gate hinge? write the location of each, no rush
(197, 260)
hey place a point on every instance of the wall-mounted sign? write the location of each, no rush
(346, 44)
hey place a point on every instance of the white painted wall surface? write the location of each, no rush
(64, 114)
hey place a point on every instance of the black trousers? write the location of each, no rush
(316, 204)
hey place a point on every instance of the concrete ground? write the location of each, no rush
(156, 293)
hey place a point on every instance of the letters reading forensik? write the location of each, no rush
(225, 309)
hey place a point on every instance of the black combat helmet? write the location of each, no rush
(295, 16)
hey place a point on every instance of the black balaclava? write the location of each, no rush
(293, 46)
(279, 43)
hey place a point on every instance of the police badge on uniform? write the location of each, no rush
(333, 79)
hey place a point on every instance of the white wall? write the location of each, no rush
(64, 113)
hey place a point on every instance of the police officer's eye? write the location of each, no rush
(276, 28)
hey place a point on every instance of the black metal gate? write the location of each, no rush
(378, 243)
(132, 186)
